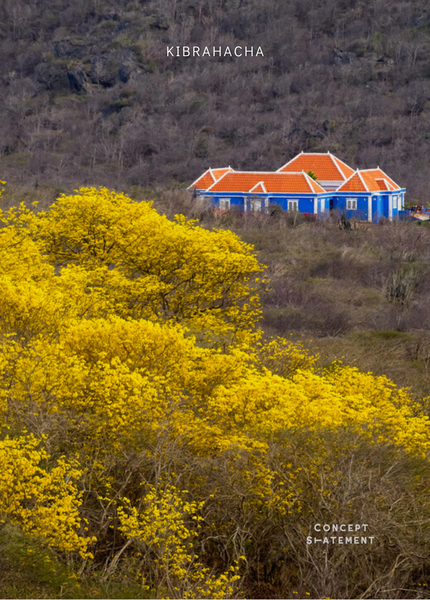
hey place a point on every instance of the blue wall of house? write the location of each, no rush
(379, 202)
(361, 212)
(306, 203)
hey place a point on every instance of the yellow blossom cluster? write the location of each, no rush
(44, 503)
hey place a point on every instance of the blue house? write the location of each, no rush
(313, 183)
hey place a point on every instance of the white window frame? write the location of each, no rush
(351, 204)
(395, 202)
(224, 203)
(293, 205)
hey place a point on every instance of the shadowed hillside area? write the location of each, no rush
(90, 97)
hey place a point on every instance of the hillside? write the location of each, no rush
(90, 97)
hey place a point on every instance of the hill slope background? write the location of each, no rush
(89, 96)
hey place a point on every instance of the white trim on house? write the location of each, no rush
(218, 180)
(337, 166)
(210, 171)
(345, 182)
(287, 163)
(201, 177)
(257, 184)
(310, 182)
(397, 187)
(362, 180)
(388, 186)
(344, 163)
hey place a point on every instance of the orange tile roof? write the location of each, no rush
(287, 183)
(369, 180)
(208, 178)
(325, 166)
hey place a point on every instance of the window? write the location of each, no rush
(351, 204)
(224, 203)
(256, 205)
(293, 205)
(394, 201)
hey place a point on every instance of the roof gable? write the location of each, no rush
(259, 188)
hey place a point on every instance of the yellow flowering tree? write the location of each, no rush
(153, 267)
(137, 391)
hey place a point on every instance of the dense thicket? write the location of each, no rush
(153, 436)
(88, 93)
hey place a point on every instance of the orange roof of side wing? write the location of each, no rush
(325, 166)
(277, 183)
(208, 178)
(369, 180)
